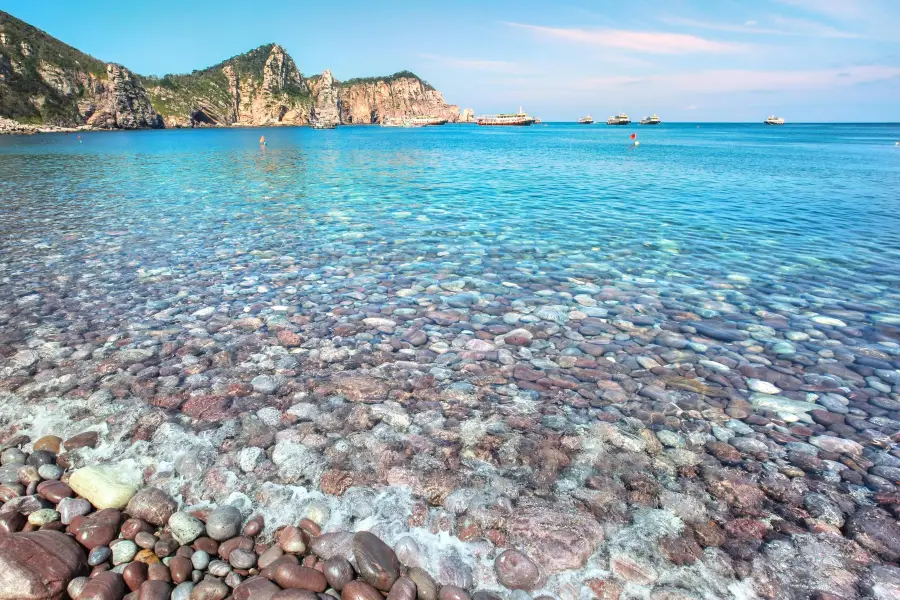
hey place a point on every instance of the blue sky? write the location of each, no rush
(687, 60)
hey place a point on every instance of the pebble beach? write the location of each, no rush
(449, 364)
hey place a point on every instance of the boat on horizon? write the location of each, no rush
(322, 125)
(773, 120)
(619, 119)
(651, 120)
(520, 118)
(428, 120)
(588, 120)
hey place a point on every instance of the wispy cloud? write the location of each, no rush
(786, 26)
(653, 42)
(470, 63)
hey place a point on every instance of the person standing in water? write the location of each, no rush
(262, 141)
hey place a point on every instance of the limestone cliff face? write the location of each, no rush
(327, 108)
(259, 88)
(405, 96)
(120, 102)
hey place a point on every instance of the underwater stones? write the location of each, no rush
(718, 332)
(376, 561)
(360, 388)
(265, 384)
(106, 486)
(781, 404)
(516, 571)
(875, 530)
(152, 505)
(38, 565)
(554, 539)
(836, 445)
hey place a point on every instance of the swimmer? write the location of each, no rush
(262, 140)
(79, 140)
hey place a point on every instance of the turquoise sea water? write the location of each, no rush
(809, 206)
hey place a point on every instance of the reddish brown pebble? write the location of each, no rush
(338, 572)
(104, 586)
(54, 491)
(210, 589)
(254, 526)
(155, 590)
(269, 556)
(152, 505)
(97, 569)
(158, 572)
(292, 540)
(403, 589)
(145, 540)
(61, 559)
(185, 551)
(99, 529)
(181, 568)
(376, 561)
(227, 547)
(360, 590)
(516, 571)
(288, 575)
(135, 574)
(11, 522)
(132, 527)
(208, 545)
(310, 561)
(311, 528)
(451, 592)
(165, 547)
(255, 588)
(88, 439)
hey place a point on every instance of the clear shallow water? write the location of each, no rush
(771, 203)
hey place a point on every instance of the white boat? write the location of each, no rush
(520, 118)
(773, 120)
(619, 119)
(322, 125)
(651, 120)
(588, 120)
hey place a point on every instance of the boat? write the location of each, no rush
(773, 120)
(322, 124)
(619, 119)
(651, 120)
(428, 120)
(520, 118)
(588, 120)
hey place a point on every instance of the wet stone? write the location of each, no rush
(376, 561)
(516, 571)
(223, 523)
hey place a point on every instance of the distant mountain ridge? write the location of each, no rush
(45, 82)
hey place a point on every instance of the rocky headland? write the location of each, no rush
(47, 85)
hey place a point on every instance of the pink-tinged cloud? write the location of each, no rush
(653, 42)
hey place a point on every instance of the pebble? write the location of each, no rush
(105, 486)
(185, 528)
(224, 523)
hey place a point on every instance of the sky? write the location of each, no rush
(686, 60)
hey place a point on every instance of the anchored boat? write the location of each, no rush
(651, 120)
(588, 120)
(322, 125)
(619, 119)
(773, 120)
(520, 118)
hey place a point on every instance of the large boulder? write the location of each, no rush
(38, 565)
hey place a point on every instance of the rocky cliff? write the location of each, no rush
(44, 82)
(400, 95)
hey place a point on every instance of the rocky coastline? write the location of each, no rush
(42, 80)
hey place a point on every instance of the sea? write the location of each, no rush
(461, 312)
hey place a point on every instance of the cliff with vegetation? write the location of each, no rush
(46, 83)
